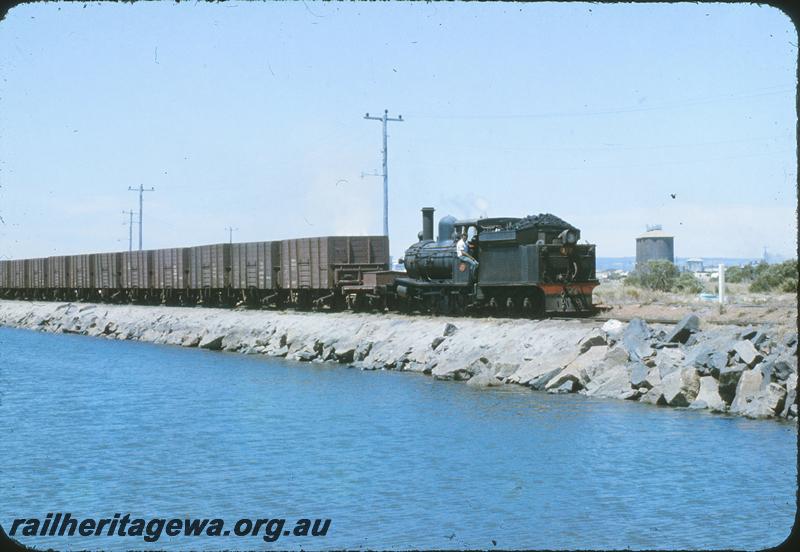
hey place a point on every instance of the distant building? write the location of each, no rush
(694, 265)
(654, 245)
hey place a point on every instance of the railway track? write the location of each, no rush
(602, 318)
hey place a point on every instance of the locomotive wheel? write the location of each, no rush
(537, 309)
(459, 303)
(442, 305)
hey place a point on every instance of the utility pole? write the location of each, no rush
(130, 229)
(141, 189)
(384, 120)
(230, 233)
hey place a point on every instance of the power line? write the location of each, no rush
(612, 111)
(609, 147)
(141, 189)
(384, 120)
(628, 165)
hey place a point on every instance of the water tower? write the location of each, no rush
(654, 245)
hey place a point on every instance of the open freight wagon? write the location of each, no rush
(315, 269)
(303, 273)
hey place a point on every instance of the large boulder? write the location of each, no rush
(345, 351)
(639, 373)
(790, 341)
(568, 386)
(305, 355)
(708, 396)
(791, 395)
(681, 386)
(536, 370)
(760, 337)
(191, 340)
(748, 332)
(484, 378)
(212, 341)
(654, 396)
(577, 371)
(457, 369)
(766, 369)
(747, 352)
(505, 369)
(613, 329)
(707, 358)
(754, 400)
(438, 340)
(688, 325)
(613, 381)
(612, 357)
(281, 351)
(594, 338)
(729, 380)
(784, 366)
(636, 339)
(362, 350)
(668, 361)
(543, 375)
(716, 362)
(653, 377)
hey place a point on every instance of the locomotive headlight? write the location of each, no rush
(568, 237)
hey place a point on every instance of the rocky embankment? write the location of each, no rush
(745, 371)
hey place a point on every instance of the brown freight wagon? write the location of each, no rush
(322, 263)
(136, 268)
(19, 274)
(256, 265)
(58, 272)
(106, 270)
(210, 266)
(37, 273)
(170, 268)
(5, 274)
(81, 271)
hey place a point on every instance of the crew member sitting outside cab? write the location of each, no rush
(462, 248)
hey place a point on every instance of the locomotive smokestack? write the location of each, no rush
(427, 223)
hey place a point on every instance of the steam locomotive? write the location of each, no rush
(528, 266)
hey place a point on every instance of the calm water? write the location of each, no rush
(95, 427)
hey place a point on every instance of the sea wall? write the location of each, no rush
(723, 369)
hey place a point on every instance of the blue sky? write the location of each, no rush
(251, 115)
